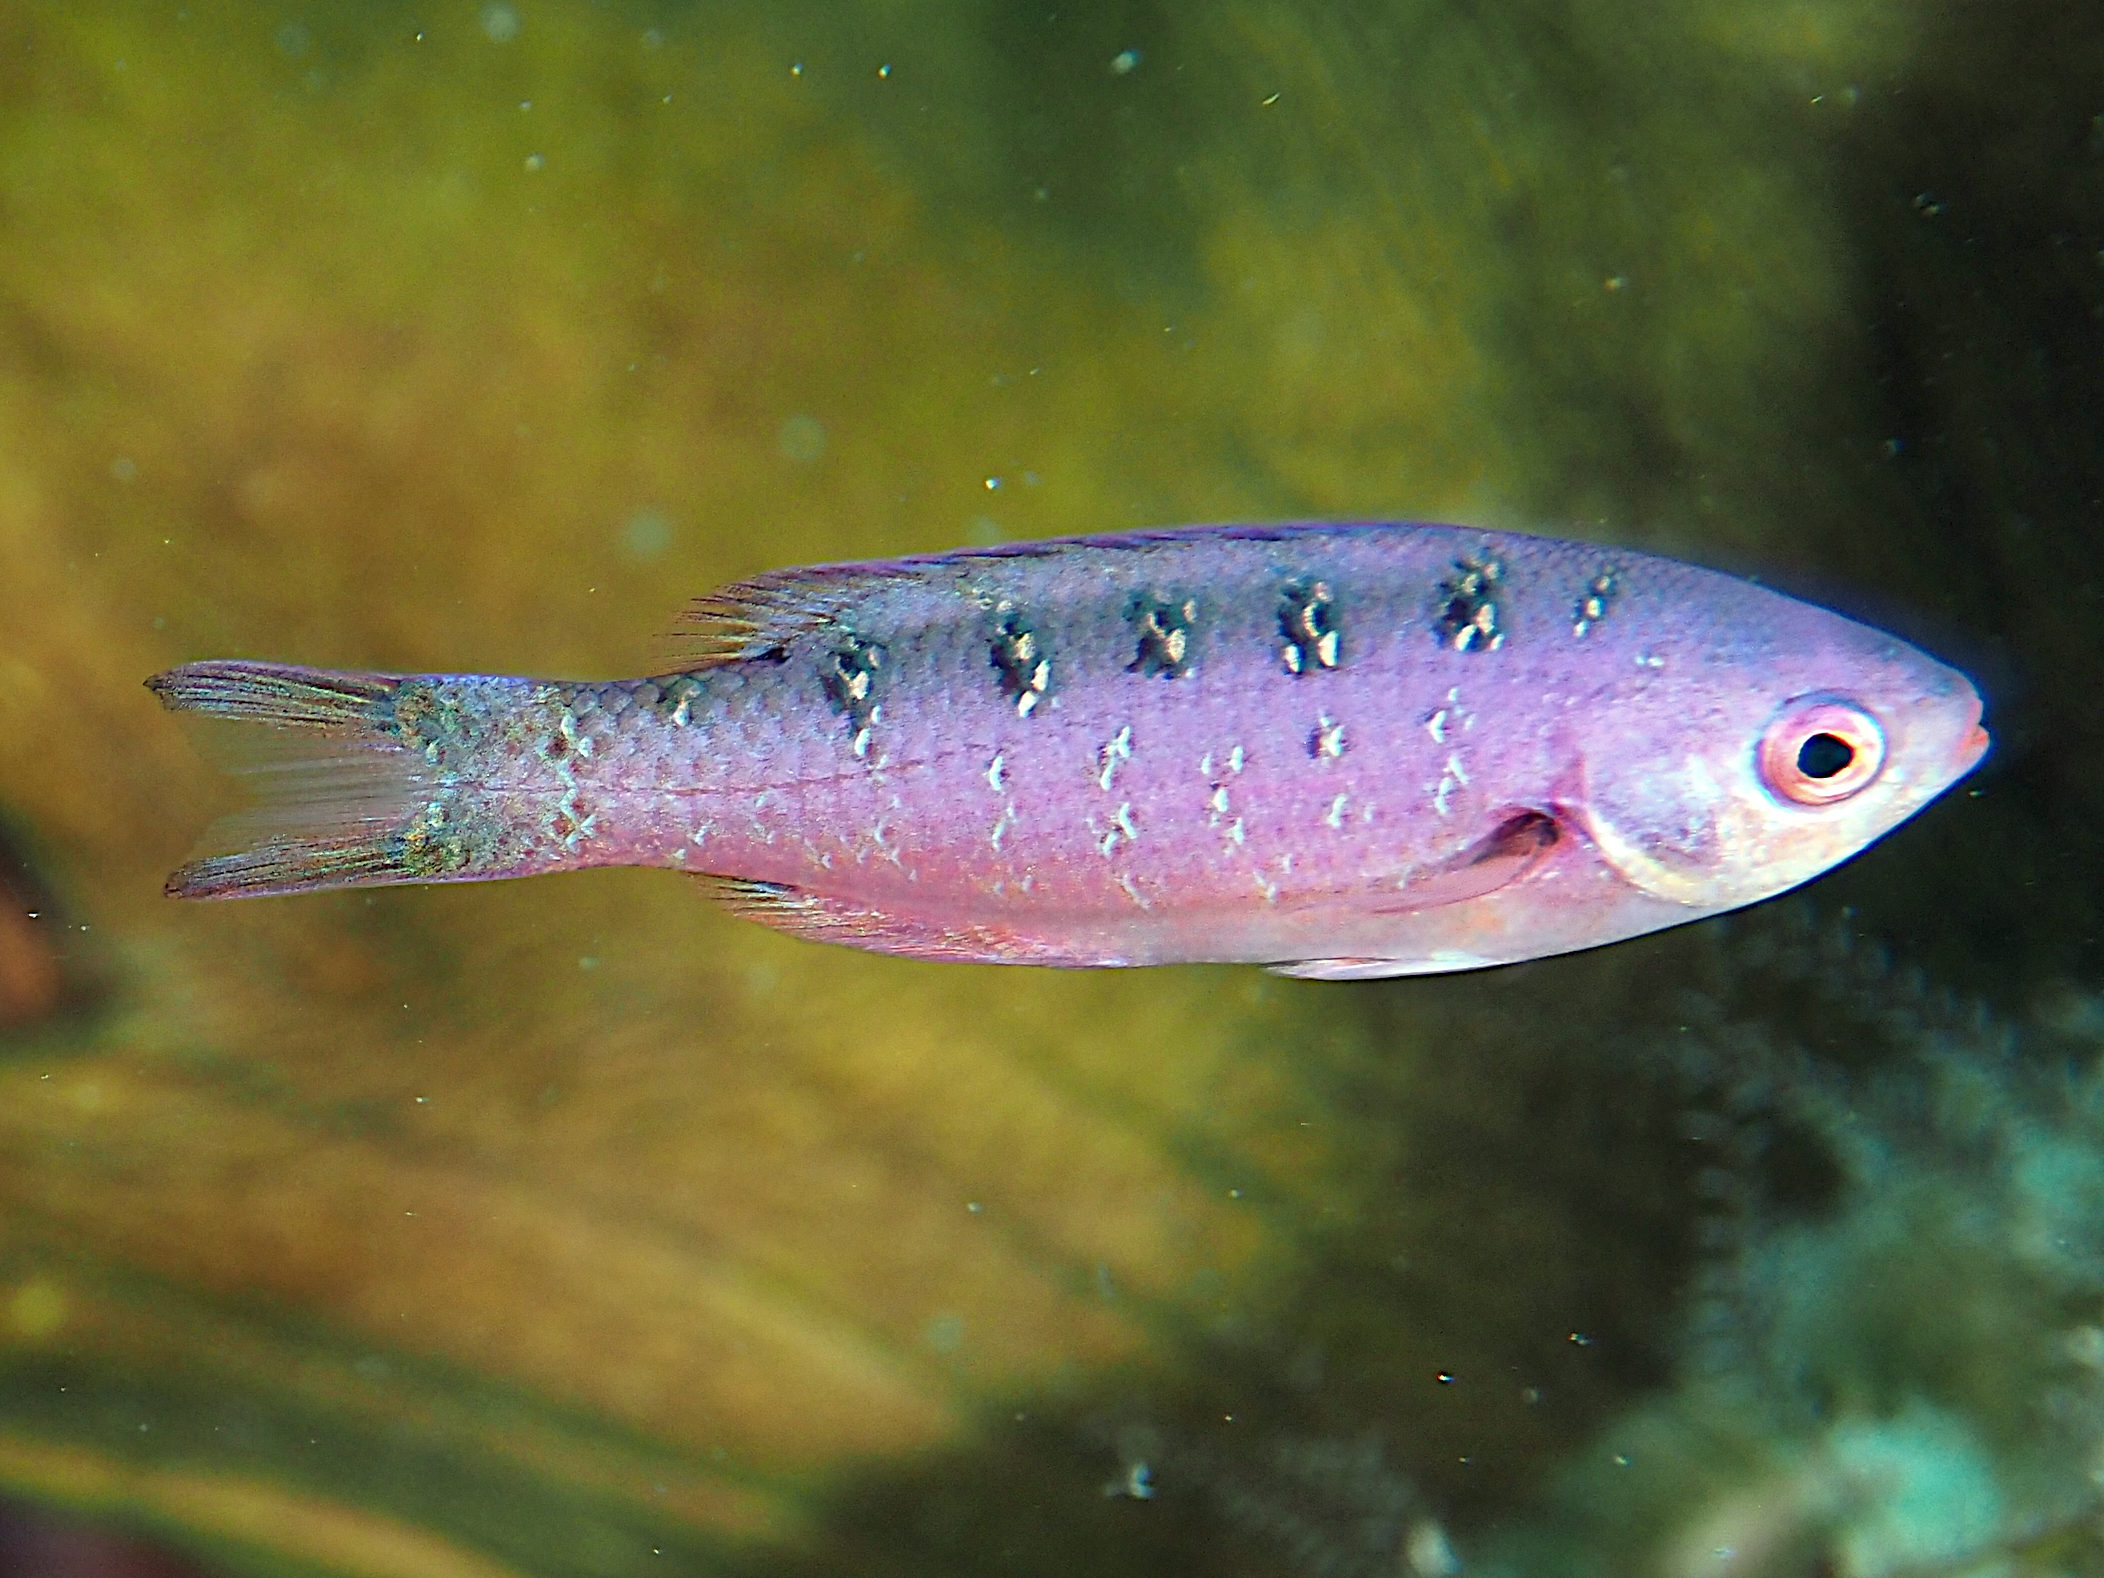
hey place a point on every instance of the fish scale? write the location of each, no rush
(1342, 750)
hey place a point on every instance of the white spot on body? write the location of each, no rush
(994, 779)
(1234, 832)
(1234, 760)
(1266, 887)
(580, 743)
(1003, 823)
(1329, 738)
(1336, 816)
(862, 741)
(1132, 892)
(1219, 803)
(1123, 822)
(1454, 770)
(1114, 755)
(1436, 726)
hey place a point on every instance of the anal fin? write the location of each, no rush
(820, 917)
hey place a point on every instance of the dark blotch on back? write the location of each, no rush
(1467, 611)
(1600, 594)
(1307, 619)
(849, 674)
(1163, 627)
(1020, 658)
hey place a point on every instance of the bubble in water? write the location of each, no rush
(500, 22)
(647, 534)
(801, 439)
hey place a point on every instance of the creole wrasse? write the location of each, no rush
(1339, 750)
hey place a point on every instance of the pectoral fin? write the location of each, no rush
(1516, 846)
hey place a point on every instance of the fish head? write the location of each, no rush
(1772, 746)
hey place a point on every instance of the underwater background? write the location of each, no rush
(574, 1227)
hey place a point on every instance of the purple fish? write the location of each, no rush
(1342, 751)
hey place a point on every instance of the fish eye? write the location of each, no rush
(1820, 751)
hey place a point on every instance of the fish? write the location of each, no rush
(1339, 750)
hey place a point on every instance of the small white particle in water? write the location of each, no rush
(1124, 61)
(534, 162)
(500, 22)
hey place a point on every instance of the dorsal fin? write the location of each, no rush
(752, 619)
(762, 616)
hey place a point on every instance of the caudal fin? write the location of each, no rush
(346, 792)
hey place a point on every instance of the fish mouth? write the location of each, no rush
(1975, 745)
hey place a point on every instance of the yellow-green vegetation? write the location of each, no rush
(572, 1227)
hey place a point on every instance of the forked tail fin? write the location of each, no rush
(349, 794)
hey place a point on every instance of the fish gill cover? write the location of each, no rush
(442, 1232)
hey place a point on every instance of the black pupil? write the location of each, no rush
(1823, 755)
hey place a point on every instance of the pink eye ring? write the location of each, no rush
(1820, 751)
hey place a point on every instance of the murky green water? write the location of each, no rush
(572, 1227)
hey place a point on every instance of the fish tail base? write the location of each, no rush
(352, 781)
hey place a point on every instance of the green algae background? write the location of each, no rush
(573, 1227)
